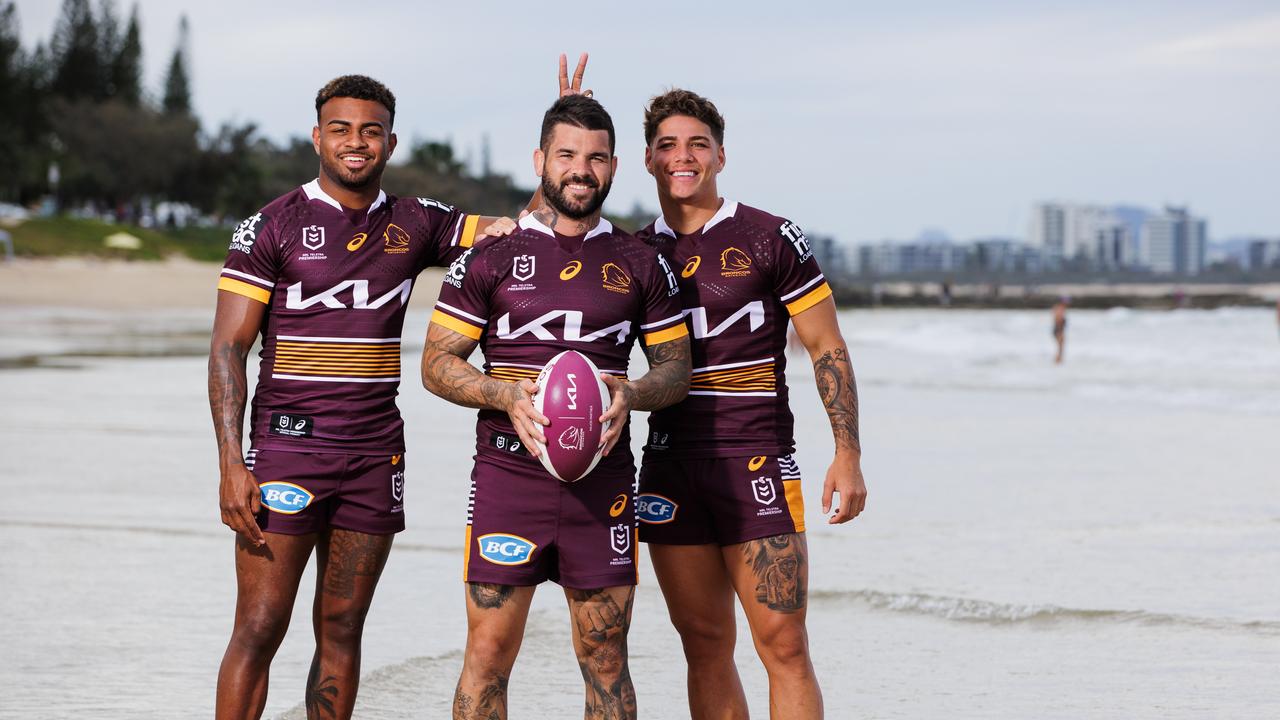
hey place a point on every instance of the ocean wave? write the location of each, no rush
(996, 613)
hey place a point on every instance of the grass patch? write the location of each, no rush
(63, 236)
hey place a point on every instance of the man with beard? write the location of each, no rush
(323, 273)
(565, 280)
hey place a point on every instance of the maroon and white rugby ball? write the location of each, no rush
(572, 396)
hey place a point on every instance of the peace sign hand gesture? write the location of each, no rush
(576, 87)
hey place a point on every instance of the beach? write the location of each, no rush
(1098, 539)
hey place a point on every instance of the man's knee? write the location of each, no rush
(706, 636)
(605, 659)
(343, 625)
(784, 646)
(260, 630)
(491, 654)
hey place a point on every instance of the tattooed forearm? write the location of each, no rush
(446, 372)
(228, 392)
(839, 392)
(489, 596)
(667, 381)
(781, 571)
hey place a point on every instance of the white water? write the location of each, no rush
(1094, 540)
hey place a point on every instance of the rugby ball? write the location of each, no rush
(572, 396)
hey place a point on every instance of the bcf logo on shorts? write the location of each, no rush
(762, 488)
(283, 497)
(504, 549)
(655, 509)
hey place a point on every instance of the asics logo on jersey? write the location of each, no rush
(691, 267)
(357, 241)
(572, 328)
(571, 270)
(294, 300)
(619, 505)
(753, 311)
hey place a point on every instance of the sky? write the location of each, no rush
(862, 120)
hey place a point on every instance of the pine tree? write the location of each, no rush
(177, 89)
(109, 42)
(126, 66)
(77, 70)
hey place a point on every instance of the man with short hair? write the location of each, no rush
(720, 503)
(566, 280)
(323, 273)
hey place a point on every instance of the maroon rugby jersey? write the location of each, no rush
(742, 277)
(534, 294)
(335, 282)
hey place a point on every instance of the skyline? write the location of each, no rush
(959, 119)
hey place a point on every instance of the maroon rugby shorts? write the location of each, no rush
(525, 527)
(720, 501)
(305, 492)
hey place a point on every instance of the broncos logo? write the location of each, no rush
(734, 263)
(396, 240)
(615, 278)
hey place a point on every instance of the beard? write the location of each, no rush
(555, 196)
(350, 179)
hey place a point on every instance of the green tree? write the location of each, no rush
(126, 65)
(109, 42)
(177, 87)
(75, 46)
(435, 157)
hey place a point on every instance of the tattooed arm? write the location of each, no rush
(446, 372)
(818, 329)
(236, 324)
(666, 383)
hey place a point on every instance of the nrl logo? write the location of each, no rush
(313, 237)
(762, 489)
(522, 267)
(620, 538)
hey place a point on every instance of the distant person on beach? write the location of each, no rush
(323, 274)
(598, 291)
(720, 500)
(1060, 326)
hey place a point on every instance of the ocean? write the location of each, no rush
(1099, 539)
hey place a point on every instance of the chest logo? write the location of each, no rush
(570, 271)
(357, 241)
(734, 263)
(701, 328)
(313, 237)
(615, 278)
(395, 240)
(522, 267)
(691, 267)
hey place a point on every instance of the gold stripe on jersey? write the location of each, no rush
(340, 360)
(253, 292)
(675, 332)
(753, 378)
(513, 374)
(456, 325)
(468, 236)
(809, 299)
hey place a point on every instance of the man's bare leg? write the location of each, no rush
(700, 601)
(600, 620)
(771, 576)
(266, 584)
(496, 616)
(348, 565)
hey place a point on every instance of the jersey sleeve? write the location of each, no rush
(465, 295)
(663, 315)
(798, 282)
(253, 261)
(450, 231)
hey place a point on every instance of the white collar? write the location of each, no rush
(726, 211)
(529, 222)
(314, 192)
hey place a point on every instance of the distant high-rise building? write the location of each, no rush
(1263, 254)
(1048, 232)
(1174, 242)
(1082, 236)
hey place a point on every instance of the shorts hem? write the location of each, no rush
(764, 532)
(592, 582)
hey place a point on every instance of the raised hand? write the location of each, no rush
(574, 88)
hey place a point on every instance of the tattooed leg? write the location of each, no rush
(600, 620)
(771, 578)
(496, 616)
(348, 566)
